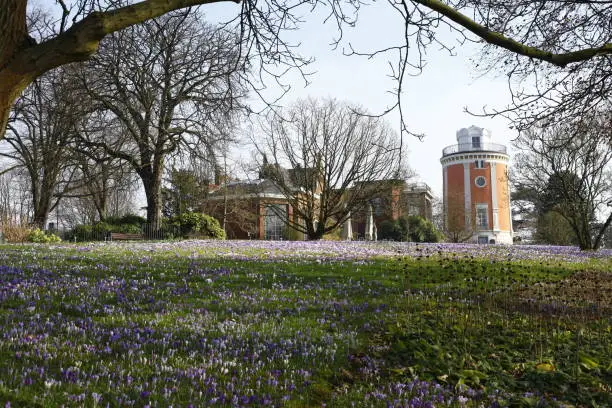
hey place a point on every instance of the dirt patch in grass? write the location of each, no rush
(585, 292)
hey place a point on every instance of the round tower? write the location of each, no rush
(476, 192)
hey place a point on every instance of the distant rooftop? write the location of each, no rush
(419, 186)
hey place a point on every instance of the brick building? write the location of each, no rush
(258, 209)
(476, 190)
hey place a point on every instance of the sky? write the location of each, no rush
(434, 102)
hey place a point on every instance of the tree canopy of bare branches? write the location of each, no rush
(103, 183)
(40, 134)
(456, 225)
(573, 35)
(569, 167)
(336, 161)
(169, 84)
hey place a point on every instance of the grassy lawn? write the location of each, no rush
(203, 323)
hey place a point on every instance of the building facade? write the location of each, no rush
(476, 189)
(258, 209)
(397, 199)
(254, 209)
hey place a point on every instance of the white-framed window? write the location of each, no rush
(482, 216)
(274, 221)
(377, 206)
(480, 164)
(480, 181)
(476, 142)
(414, 209)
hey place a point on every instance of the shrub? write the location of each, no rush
(422, 230)
(553, 229)
(15, 233)
(80, 233)
(127, 228)
(102, 227)
(391, 230)
(87, 233)
(412, 228)
(198, 224)
(131, 219)
(38, 236)
(101, 230)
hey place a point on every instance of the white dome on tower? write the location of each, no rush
(473, 137)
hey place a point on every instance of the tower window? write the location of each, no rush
(479, 164)
(480, 181)
(482, 216)
(476, 142)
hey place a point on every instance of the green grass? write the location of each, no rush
(129, 326)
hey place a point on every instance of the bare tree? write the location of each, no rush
(458, 225)
(570, 168)
(337, 159)
(231, 203)
(22, 60)
(39, 136)
(168, 85)
(104, 181)
(573, 35)
(230, 200)
(15, 196)
(8, 211)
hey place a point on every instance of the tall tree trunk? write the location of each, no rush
(151, 181)
(583, 235)
(41, 212)
(100, 197)
(14, 34)
(100, 202)
(40, 219)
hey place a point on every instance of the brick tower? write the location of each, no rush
(476, 193)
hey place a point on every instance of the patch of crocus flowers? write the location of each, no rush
(192, 324)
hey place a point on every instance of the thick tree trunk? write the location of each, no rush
(39, 216)
(580, 227)
(100, 197)
(315, 236)
(583, 235)
(314, 233)
(13, 24)
(13, 35)
(40, 220)
(41, 212)
(151, 181)
(100, 203)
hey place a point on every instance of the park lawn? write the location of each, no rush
(233, 323)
